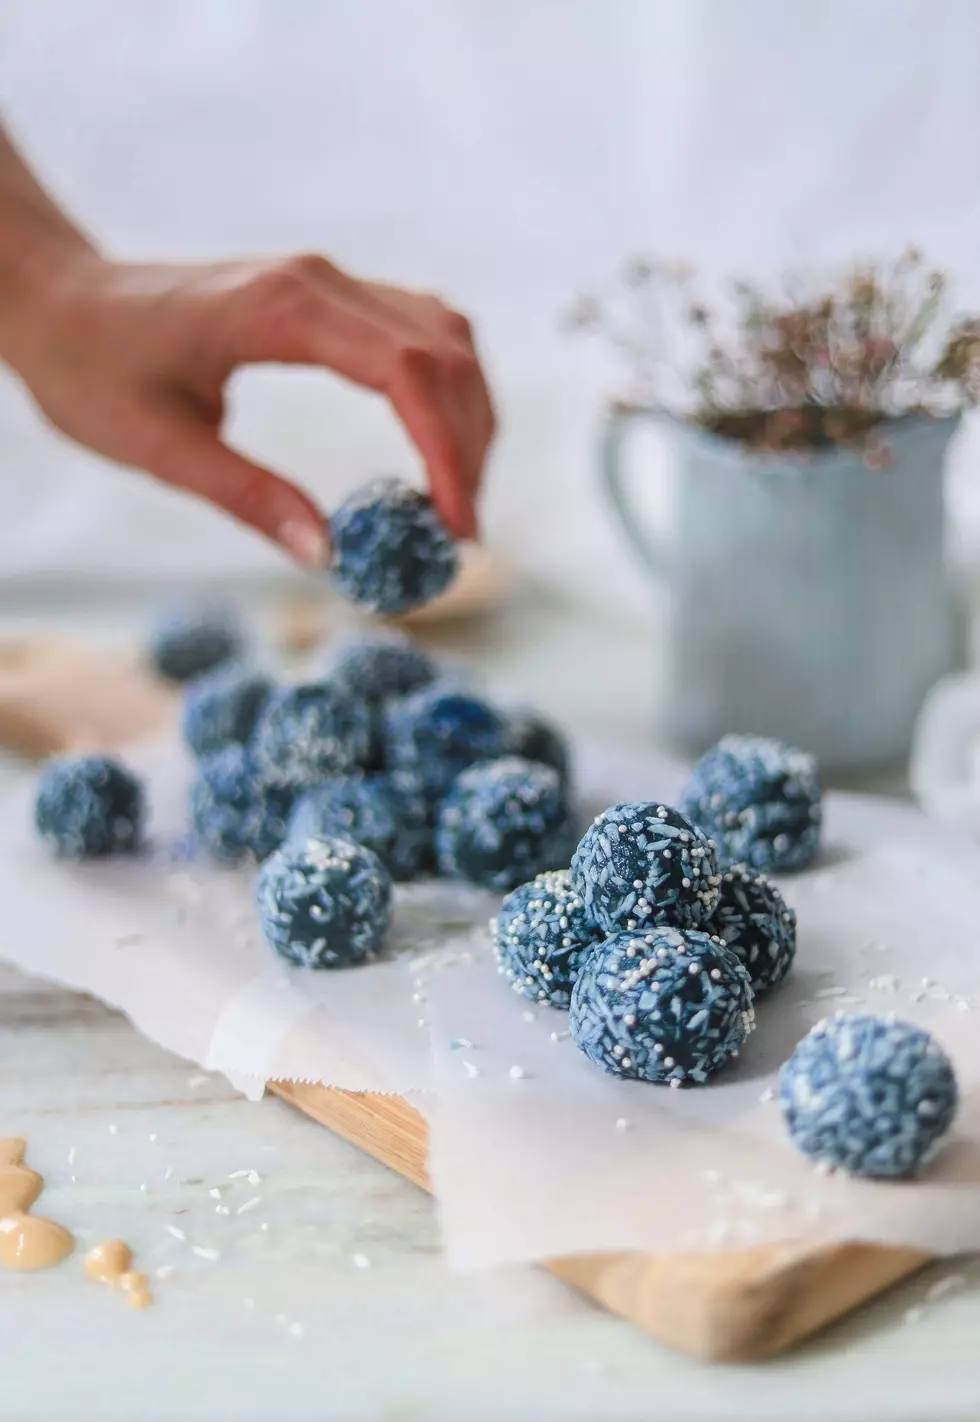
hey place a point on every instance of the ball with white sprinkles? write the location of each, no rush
(669, 1006)
(439, 732)
(643, 865)
(189, 641)
(386, 813)
(88, 806)
(324, 903)
(381, 667)
(233, 815)
(503, 822)
(307, 733)
(757, 924)
(760, 802)
(390, 551)
(870, 1095)
(541, 936)
(221, 709)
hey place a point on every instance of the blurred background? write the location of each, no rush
(506, 155)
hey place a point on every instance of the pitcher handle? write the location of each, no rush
(647, 546)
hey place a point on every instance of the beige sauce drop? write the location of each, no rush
(111, 1263)
(26, 1241)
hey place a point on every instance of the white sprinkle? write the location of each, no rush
(945, 1286)
(360, 1261)
(296, 1329)
(254, 1178)
(176, 1231)
(912, 1315)
(153, 1137)
(517, 1073)
(928, 982)
(622, 1124)
(559, 1036)
(164, 1271)
(824, 1167)
(74, 1181)
(471, 1069)
(529, 1016)
(215, 1192)
(456, 1042)
(71, 1155)
(113, 1129)
(204, 1253)
(768, 1095)
(829, 992)
(249, 1205)
(238, 1175)
(222, 1210)
(421, 1022)
(144, 1188)
(168, 1172)
(418, 996)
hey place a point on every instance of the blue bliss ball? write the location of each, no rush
(439, 732)
(381, 667)
(756, 923)
(759, 800)
(870, 1095)
(324, 903)
(189, 641)
(89, 806)
(642, 865)
(668, 1006)
(503, 822)
(309, 732)
(541, 937)
(233, 815)
(221, 709)
(390, 551)
(533, 737)
(386, 813)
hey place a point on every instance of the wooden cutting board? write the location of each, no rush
(739, 1305)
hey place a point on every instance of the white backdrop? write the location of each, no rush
(503, 153)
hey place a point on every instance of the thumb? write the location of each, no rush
(190, 456)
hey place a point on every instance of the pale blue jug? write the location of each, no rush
(804, 599)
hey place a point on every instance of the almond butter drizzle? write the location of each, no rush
(26, 1241)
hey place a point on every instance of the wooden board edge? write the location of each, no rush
(730, 1306)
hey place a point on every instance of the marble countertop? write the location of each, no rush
(328, 1298)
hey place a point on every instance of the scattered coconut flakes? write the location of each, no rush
(203, 1252)
(164, 1271)
(421, 1022)
(768, 1095)
(622, 1124)
(418, 996)
(829, 992)
(360, 1261)
(74, 1181)
(238, 1175)
(144, 1188)
(72, 1154)
(153, 1137)
(222, 1210)
(264, 1226)
(559, 1036)
(249, 1205)
(884, 982)
(215, 1192)
(254, 1178)
(529, 1016)
(456, 1042)
(168, 1173)
(517, 1073)
(176, 1231)
(471, 1069)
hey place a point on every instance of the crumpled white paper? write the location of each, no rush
(535, 1152)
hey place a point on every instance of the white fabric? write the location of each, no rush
(504, 154)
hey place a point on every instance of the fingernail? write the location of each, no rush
(306, 543)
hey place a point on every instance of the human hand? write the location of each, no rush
(132, 361)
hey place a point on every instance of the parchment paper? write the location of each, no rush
(567, 1159)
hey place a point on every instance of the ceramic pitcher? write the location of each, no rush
(804, 600)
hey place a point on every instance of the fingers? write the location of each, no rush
(186, 453)
(407, 346)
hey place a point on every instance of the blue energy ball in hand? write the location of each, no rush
(669, 1006)
(324, 903)
(643, 864)
(439, 732)
(503, 822)
(533, 737)
(759, 800)
(541, 937)
(390, 551)
(388, 814)
(307, 733)
(221, 709)
(756, 923)
(870, 1095)
(189, 641)
(233, 815)
(88, 806)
